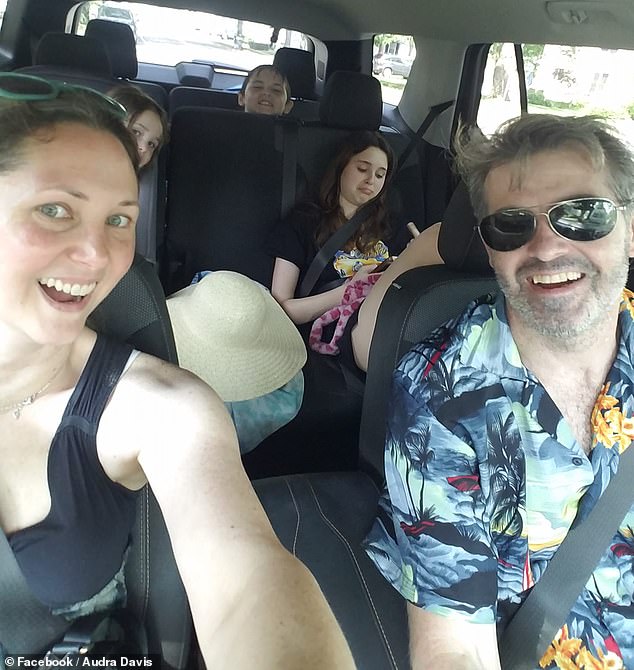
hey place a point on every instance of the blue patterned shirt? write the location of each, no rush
(484, 479)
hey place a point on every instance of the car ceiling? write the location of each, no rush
(604, 23)
(607, 23)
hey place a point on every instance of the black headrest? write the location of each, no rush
(351, 100)
(83, 54)
(299, 67)
(120, 44)
(459, 242)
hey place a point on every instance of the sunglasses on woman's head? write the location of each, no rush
(27, 88)
(579, 220)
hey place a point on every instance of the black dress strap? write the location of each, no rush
(101, 374)
(26, 624)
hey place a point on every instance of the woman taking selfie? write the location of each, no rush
(85, 421)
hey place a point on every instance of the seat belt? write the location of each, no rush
(343, 234)
(332, 244)
(541, 615)
(26, 624)
(432, 114)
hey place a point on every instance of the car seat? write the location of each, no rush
(299, 67)
(135, 312)
(323, 518)
(119, 41)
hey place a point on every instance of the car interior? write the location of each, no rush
(226, 178)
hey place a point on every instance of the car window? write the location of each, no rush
(562, 80)
(3, 6)
(392, 60)
(167, 36)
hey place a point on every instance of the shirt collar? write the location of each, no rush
(489, 345)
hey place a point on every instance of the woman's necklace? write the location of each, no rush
(17, 407)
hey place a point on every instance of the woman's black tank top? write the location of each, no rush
(78, 548)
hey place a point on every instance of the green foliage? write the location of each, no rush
(532, 54)
(537, 98)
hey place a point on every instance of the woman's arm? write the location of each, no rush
(254, 605)
(423, 250)
(300, 310)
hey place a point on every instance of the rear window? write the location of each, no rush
(167, 36)
(393, 56)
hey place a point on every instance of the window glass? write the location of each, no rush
(392, 60)
(3, 6)
(500, 97)
(560, 80)
(167, 36)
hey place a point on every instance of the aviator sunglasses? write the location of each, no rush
(28, 88)
(579, 220)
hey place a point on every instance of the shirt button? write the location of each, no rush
(577, 461)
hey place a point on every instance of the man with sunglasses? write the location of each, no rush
(511, 420)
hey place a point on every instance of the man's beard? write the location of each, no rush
(558, 318)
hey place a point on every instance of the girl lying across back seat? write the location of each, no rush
(86, 421)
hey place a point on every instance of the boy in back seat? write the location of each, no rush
(266, 91)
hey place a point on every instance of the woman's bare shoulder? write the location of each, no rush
(155, 408)
(158, 383)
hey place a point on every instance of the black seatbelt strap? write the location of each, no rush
(26, 624)
(547, 606)
(432, 114)
(333, 243)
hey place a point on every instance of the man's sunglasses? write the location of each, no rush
(579, 220)
(27, 88)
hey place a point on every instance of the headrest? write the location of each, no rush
(120, 44)
(83, 54)
(351, 100)
(299, 67)
(459, 242)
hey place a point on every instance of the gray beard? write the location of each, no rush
(549, 319)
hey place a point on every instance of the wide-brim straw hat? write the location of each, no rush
(233, 334)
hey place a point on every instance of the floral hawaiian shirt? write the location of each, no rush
(484, 479)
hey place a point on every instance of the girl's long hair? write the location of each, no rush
(332, 217)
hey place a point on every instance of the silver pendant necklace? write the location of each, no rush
(17, 407)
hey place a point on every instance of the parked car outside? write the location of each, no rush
(389, 64)
(119, 15)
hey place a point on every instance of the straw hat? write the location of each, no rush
(233, 334)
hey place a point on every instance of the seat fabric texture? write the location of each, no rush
(135, 312)
(323, 517)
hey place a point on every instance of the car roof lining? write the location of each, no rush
(602, 22)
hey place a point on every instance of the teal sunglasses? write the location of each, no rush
(28, 88)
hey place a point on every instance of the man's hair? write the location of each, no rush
(518, 139)
(21, 121)
(270, 68)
